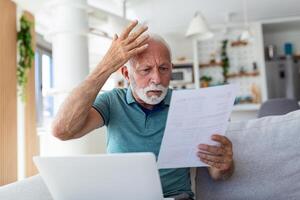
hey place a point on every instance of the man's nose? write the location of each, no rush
(155, 78)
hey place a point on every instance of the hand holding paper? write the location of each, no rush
(194, 116)
(220, 157)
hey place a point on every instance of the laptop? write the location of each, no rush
(126, 176)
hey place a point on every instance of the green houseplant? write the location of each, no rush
(225, 60)
(26, 54)
(205, 80)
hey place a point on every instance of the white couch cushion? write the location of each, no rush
(32, 188)
(267, 161)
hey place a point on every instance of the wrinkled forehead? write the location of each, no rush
(156, 52)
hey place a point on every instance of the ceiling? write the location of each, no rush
(173, 16)
(170, 18)
(282, 27)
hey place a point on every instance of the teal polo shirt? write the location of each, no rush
(130, 129)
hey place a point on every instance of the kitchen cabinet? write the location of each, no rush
(282, 52)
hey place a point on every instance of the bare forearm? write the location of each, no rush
(74, 111)
(72, 118)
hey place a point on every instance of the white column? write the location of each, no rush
(70, 61)
(196, 64)
(69, 46)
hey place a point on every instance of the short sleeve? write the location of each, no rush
(102, 105)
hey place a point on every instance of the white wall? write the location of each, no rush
(180, 46)
(93, 143)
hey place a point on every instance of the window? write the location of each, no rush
(44, 82)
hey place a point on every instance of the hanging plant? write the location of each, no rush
(26, 54)
(225, 61)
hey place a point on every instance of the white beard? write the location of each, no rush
(142, 92)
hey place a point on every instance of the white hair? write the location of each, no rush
(160, 39)
(157, 38)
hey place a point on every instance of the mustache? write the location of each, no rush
(155, 88)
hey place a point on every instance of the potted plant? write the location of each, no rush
(205, 81)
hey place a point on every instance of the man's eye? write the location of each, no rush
(146, 70)
(163, 68)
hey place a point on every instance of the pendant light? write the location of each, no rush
(198, 28)
(246, 34)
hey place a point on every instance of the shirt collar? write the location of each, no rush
(130, 99)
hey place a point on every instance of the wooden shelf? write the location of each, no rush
(239, 43)
(295, 57)
(244, 74)
(212, 64)
(182, 62)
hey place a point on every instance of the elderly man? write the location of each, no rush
(136, 117)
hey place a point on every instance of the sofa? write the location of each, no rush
(32, 188)
(267, 161)
(267, 165)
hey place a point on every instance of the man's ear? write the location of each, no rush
(125, 72)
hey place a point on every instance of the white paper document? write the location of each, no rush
(194, 115)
